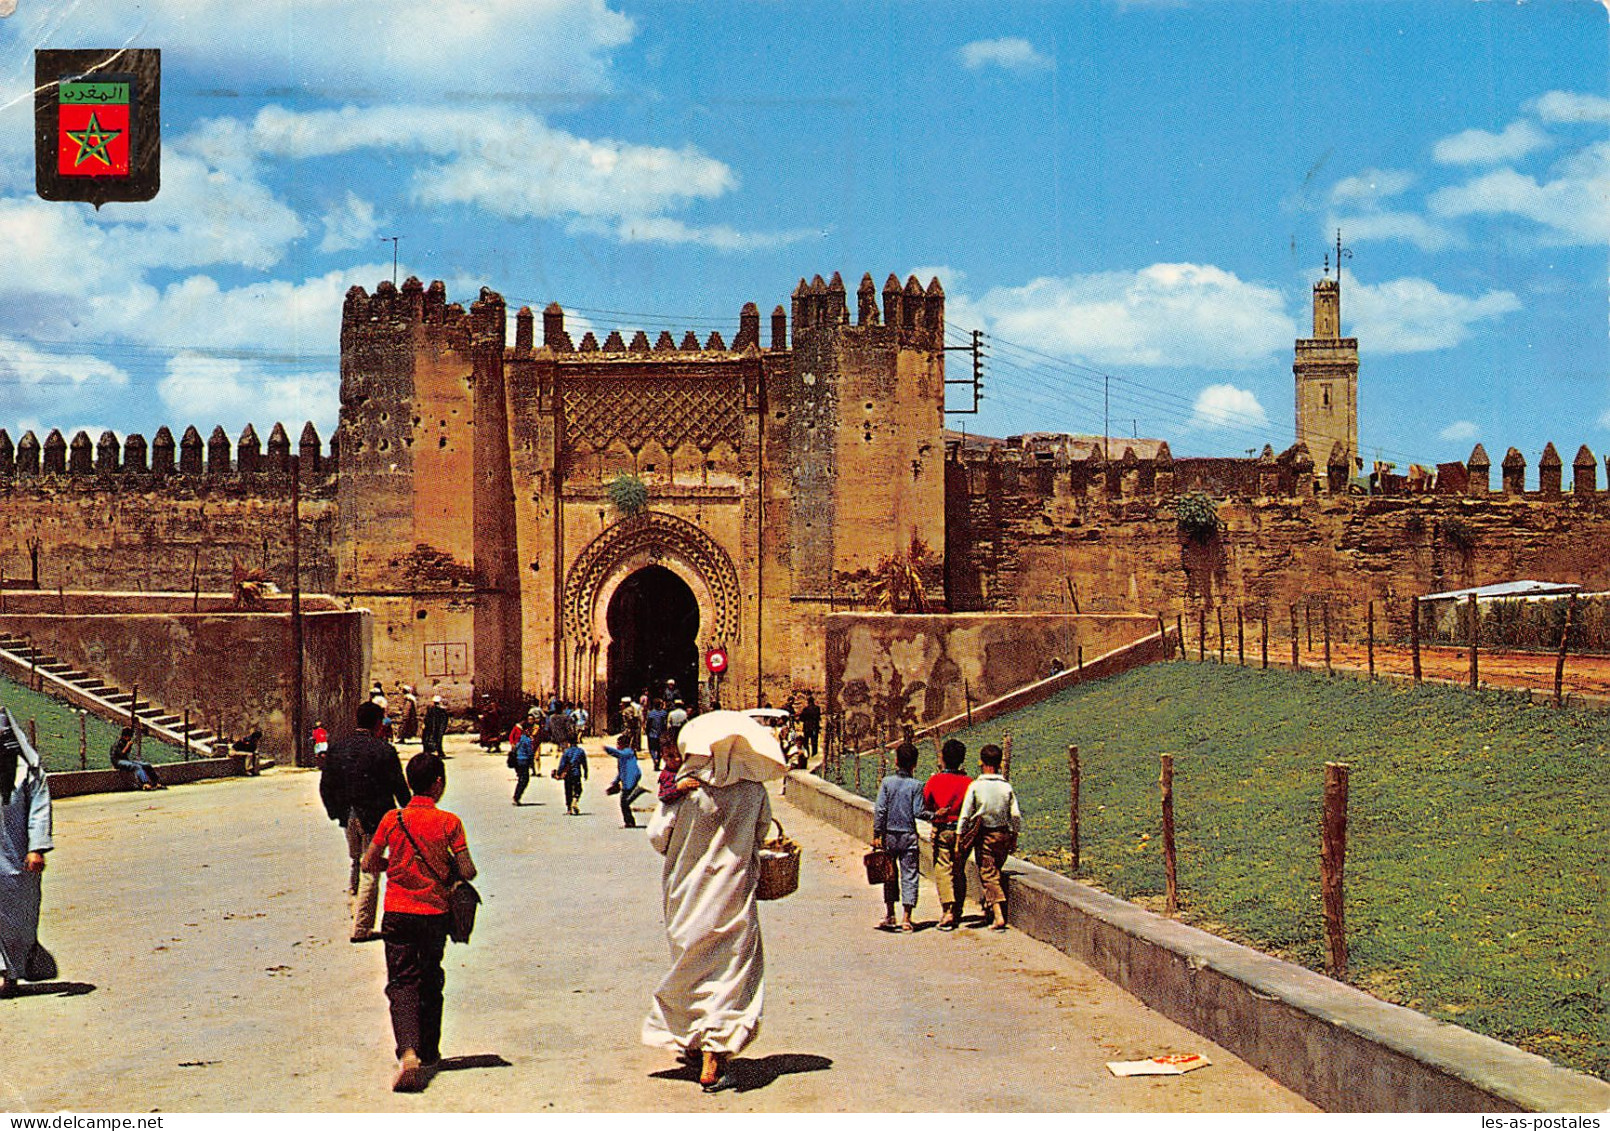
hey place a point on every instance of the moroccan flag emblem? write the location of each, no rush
(92, 129)
(97, 130)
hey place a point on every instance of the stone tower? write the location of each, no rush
(866, 429)
(1326, 368)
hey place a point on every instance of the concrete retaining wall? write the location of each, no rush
(77, 783)
(1337, 1046)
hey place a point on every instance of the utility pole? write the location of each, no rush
(976, 348)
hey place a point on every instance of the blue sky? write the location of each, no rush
(1135, 195)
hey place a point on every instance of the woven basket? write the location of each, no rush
(779, 866)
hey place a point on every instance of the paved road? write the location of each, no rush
(202, 938)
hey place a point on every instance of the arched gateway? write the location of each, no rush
(640, 602)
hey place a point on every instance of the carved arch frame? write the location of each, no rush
(652, 538)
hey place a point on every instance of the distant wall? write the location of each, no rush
(886, 669)
(228, 668)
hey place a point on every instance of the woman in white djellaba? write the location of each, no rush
(708, 1006)
(24, 840)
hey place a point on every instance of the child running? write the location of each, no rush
(628, 775)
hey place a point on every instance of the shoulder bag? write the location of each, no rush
(462, 898)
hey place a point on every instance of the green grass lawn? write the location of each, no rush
(57, 727)
(1477, 831)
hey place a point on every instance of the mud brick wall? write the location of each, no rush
(886, 669)
(167, 533)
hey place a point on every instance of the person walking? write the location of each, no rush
(676, 718)
(810, 723)
(409, 728)
(942, 798)
(653, 728)
(708, 1005)
(894, 831)
(628, 779)
(572, 770)
(423, 851)
(990, 819)
(362, 778)
(435, 726)
(631, 723)
(25, 837)
(522, 757)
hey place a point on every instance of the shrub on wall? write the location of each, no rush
(1197, 517)
(628, 494)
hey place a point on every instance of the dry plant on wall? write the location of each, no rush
(628, 495)
(1197, 517)
(898, 581)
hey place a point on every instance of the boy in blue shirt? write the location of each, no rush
(628, 775)
(894, 830)
(571, 770)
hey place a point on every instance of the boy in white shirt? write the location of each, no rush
(990, 818)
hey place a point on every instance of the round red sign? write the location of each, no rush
(716, 660)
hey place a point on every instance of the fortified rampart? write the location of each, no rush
(1028, 530)
(169, 516)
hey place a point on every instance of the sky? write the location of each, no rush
(1131, 200)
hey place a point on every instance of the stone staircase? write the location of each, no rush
(21, 660)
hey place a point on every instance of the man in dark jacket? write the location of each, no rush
(435, 726)
(362, 780)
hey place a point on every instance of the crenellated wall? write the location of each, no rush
(1026, 533)
(166, 516)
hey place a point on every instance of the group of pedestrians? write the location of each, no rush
(977, 817)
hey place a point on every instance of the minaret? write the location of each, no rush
(1326, 368)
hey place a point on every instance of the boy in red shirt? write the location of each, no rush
(422, 850)
(941, 803)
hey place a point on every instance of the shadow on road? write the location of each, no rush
(752, 1075)
(62, 989)
(474, 1060)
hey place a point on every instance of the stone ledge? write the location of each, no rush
(1335, 1045)
(78, 783)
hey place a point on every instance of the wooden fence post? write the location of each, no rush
(1201, 635)
(1079, 656)
(1296, 664)
(1240, 638)
(1475, 628)
(1172, 903)
(1265, 620)
(134, 721)
(1162, 635)
(1006, 756)
(1308, 624)
(1369, 637)
(1073, 805)
(856, 754)
(1179, 629)
(1324, 611)
(1559, 662)
(1414, 634)
(1218, 612)
(83, 739)
(1333, 856)
(967, 692)
(187, 734)
(33, 733)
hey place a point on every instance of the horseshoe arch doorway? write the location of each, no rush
(653, 620)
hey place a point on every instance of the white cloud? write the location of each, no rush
(508, 162)
(1573, 207)
(1407, 227)
(1459, 430)
(351, 223)
(721, 237)
(1011, 54)
(352, 48)
(1565, 107)
(1225, 406)
(1168, 314)
(1414, 315)
(22, 364)
(1604, 419)
(1371, 186)
(1481, 147)
(210, 390)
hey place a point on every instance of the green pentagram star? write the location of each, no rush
(92, 141)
